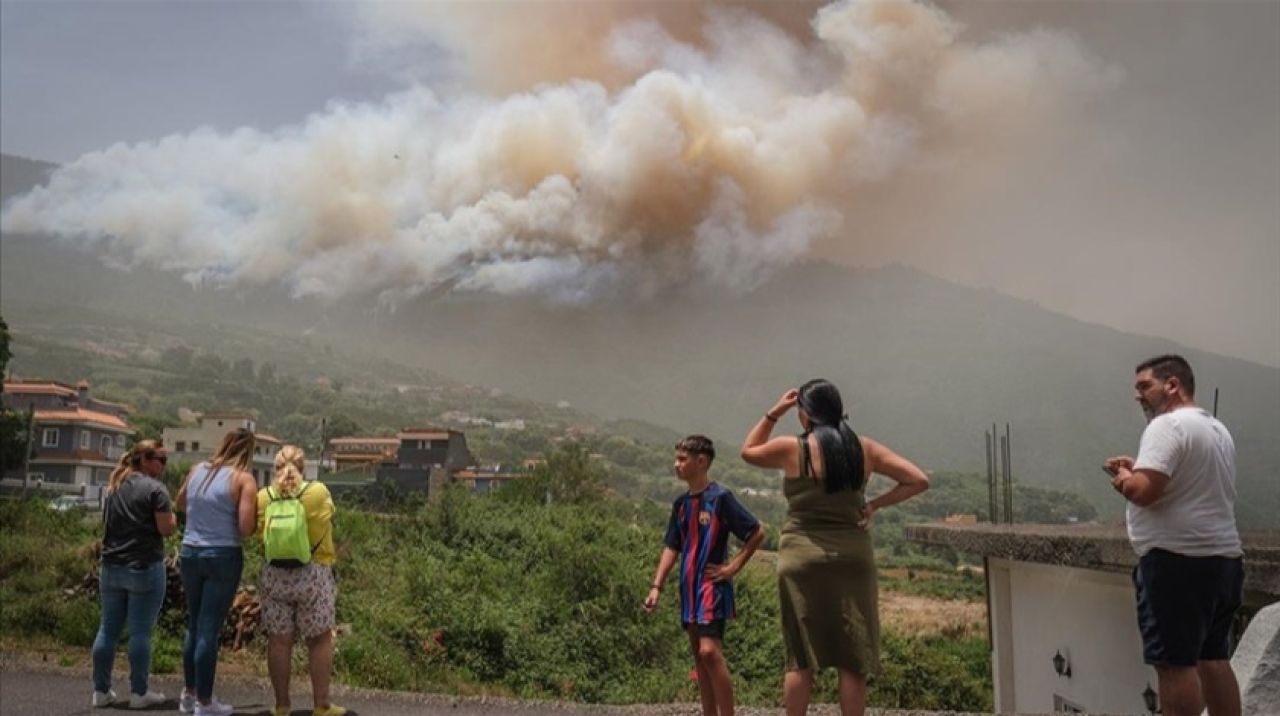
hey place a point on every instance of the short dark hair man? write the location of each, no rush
(1181, 520)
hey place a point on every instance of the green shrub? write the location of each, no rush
(505, 594)
(78, 622)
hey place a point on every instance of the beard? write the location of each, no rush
(1153, 408)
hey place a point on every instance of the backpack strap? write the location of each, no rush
(298, 496)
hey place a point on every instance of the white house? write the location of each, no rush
(193, 443)
(1061, 611)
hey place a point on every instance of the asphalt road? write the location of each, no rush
(34, 688)
(27, 690)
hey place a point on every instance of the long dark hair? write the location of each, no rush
(842, 458)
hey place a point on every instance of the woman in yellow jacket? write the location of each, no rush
(298, 599)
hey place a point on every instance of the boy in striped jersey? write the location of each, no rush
(698, 534)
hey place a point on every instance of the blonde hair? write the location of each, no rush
(290, 463)
(131, 462)
(236, 450)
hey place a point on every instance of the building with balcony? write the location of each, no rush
(77, 439)
(362, 454)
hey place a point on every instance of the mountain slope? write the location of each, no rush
(926, 365)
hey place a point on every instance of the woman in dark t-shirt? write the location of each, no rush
(137, 516)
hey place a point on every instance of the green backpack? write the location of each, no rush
(284, 534)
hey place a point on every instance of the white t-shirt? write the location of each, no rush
(1196, 514)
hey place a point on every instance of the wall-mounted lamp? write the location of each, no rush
(1061, 665)
(1151, 699)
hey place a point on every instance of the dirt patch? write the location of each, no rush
(921, 615)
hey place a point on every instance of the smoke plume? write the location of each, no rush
(583, 148)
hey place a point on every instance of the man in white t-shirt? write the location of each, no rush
(1181, 519)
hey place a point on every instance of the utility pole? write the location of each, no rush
(324, 444)
(26, 453)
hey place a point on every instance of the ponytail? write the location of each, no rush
(289, 464)
(131, 462)
(236, 450)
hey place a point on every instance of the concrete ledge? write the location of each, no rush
(1090, 546)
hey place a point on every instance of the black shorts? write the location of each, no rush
(714, 629)
(1186, 606)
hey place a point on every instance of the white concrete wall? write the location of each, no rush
(1088, 616)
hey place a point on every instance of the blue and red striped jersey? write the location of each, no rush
(699, 531)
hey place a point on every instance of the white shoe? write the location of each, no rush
(187, 702)
(103, 698)
(142, 701)
(214, 708)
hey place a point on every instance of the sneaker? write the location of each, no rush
(213, 708)
(187, 702)
(142, 701)
(103, 698)
(330, 710)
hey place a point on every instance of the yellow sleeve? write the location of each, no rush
(318, 502)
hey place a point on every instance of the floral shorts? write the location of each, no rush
(298, 601)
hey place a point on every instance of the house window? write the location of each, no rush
(119, 441)
(219, 423)
(195, 446)
(106, 444)
(1061, 705)
(85, 439)
(180, 446)
(36, 476)
(49, 438)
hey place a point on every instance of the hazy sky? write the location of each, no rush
(1145, 195)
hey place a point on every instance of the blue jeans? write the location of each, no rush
(133, 596)
(210, 576)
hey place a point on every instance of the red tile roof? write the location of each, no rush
(426, 432)
(265, 438)
(39, 387)
(80, 415)
(232, 414)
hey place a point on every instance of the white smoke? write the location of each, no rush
(713, 156)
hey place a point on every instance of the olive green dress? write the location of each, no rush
(827, 579)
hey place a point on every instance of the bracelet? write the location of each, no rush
(769, 417)
(656, 586)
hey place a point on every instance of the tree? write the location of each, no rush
(208, 366)
(13, 423)
(242, 370)
(569, 474)
(177, 359)
(341, 426)
(267, 373)
(5, 353)
(150, 427)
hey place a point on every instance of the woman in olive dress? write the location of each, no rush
(826, 564)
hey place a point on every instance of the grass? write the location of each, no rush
(495, 595)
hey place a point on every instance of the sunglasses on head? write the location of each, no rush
(162, 459)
